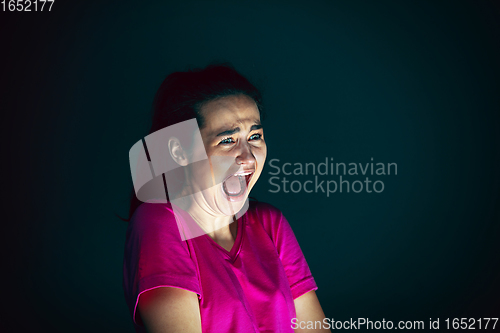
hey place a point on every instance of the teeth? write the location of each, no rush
(243, 173)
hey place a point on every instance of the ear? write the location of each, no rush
(178, 154)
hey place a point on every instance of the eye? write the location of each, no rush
(226, 141)
(255, 137)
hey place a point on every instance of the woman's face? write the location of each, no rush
(233, 140)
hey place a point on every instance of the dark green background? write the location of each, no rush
(414, 83)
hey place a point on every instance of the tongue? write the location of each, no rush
(233, 185)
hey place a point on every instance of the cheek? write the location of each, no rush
(261, 160)
(261, 157)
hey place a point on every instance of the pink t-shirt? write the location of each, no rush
(249, 289)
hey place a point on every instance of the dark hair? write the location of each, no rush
(182, 95)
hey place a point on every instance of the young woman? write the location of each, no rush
(187, 267)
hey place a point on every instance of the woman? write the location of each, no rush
(187, 267)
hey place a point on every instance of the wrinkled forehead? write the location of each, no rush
(229, 111)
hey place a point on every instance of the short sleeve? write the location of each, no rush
(155, 255)
(293, 260)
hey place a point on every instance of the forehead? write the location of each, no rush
(230, 111)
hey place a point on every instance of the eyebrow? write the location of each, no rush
(237, 129)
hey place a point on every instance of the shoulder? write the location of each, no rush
(152, 217)
(148, 211)
(266, 214)
(263, 209)
(154, 234)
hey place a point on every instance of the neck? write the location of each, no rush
(208, 220)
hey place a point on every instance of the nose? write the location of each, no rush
(245, 157)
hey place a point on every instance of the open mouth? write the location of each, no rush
(235, 186)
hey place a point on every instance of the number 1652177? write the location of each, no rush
(26, 5)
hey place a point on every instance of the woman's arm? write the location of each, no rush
(308, 309)
(167, 309)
